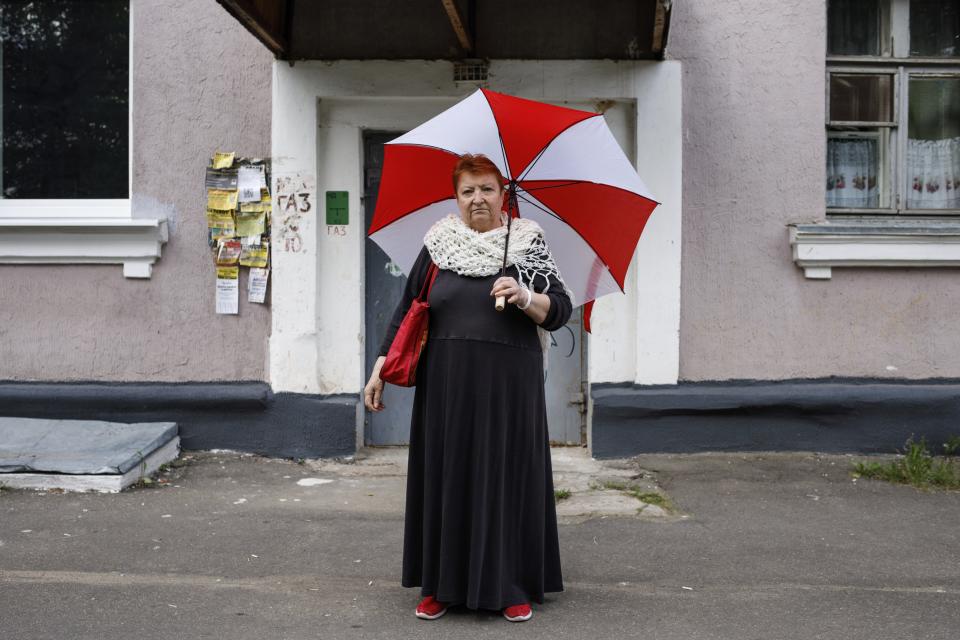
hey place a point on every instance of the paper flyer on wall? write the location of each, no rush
(228, 291)
(228, 253)
(252, 179)
(220, 179)
(251, 223)
(222, 199)
(257, 285)
(260, 206)
(221, 224)
(254, 256)
(223, 160)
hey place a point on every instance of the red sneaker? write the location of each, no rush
(430, 609)
(518, 612)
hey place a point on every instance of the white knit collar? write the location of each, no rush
(455, 246)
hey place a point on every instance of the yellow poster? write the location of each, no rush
(223, 199)
(263, 204)
(253, 256)
(267, 203)
(223, 160)
(228, 273)
(221, 224)
(254, 207)
(251, 223)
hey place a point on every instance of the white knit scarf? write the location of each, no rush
(454, 246)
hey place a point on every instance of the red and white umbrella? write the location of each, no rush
(568, 171)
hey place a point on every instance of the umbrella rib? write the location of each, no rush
(554, 186)
(503, 149)
(599, 184)
(574, 229)
(542, 208)
(536, 158)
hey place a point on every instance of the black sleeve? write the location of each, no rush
(560, 305)
(418, 275)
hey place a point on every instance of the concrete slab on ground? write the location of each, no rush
(586, 488)
(82, 455)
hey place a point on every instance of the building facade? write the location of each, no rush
(762, 310)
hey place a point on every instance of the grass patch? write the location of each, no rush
(145, 482)
(176, 463)
(162, 475)
(951, 446)
(615, 485)
(917, 467)
(650, 497)
(658, 499)
(561, 494)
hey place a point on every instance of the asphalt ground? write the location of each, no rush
(777, 546)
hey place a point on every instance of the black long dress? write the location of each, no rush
(480, 525)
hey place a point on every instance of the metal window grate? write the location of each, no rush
(470, 71)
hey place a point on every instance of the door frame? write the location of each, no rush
(319, 108)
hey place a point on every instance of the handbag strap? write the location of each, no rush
(428, 283)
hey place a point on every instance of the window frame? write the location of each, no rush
(84, 208)
(86, 231)
(895, 60)
(885, 177)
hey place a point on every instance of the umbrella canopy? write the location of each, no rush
(567, 170)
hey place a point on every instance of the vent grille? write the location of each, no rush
(470, 71)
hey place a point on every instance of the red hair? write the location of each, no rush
(475, 163)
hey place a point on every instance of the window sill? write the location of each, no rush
(133, 242)
(819, 247)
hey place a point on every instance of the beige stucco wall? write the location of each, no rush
(200, 82)
(753, 161)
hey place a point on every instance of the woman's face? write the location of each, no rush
(480, 198)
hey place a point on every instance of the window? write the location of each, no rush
(893, 107)
(65, 101)
(65, 137)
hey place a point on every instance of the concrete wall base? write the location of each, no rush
(831, 415)
(243, 416)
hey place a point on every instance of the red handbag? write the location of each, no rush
(400, 367)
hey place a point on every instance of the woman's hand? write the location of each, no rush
(515, 294)
(374, 389)
(508, 287)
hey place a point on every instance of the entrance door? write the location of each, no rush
(565, 382)
(384, 283)
(564, 378)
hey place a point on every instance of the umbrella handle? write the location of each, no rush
(501, 301)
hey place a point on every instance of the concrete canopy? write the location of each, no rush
(457, 29)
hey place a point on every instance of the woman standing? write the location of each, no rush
(480, 524)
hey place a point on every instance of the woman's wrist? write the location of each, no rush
(526, 304)
(377, 366)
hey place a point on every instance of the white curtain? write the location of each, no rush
(933, 167)
(852, 173)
